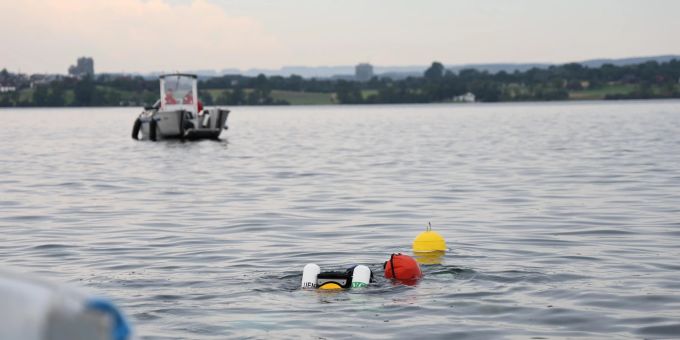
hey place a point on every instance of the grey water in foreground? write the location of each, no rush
(563, 220)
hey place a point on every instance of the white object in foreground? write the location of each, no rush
(34, 309)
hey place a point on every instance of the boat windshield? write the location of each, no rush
(178, 90)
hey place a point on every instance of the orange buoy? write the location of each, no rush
(402, 268)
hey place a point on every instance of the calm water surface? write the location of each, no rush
(563, 220)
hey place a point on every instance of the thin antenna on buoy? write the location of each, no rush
(429, 228)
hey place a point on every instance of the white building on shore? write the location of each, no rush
(465, 98)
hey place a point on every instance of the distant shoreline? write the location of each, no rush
(574, 101)
(569, 82)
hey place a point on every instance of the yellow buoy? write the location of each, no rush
(330, 285)
(429, 241)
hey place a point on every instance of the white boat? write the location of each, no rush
(179, 114)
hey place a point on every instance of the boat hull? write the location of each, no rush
(180, 124)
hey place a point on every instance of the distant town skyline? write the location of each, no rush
(43, 36)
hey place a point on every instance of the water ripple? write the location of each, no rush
(561, 219)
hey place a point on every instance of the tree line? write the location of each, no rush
(437, 84)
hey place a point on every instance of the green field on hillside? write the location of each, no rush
(600, 93)
(292, 97)
(304, 98)
(368, 93)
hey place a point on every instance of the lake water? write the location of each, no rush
(562, 220)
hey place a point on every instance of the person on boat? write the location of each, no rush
(169, 97)
(188, 98)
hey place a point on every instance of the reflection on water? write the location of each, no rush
(428, 258)
(561, 219)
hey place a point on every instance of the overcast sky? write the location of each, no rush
(173, 35)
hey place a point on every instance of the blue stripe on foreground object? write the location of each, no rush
(121, 328)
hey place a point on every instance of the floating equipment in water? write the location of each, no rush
(33, 309)
(330, 286)
(361, 276)
(429, 241)
(309, 275)
(334, 280)
(355, 277)
(402, 268)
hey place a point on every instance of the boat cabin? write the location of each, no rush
(179, 92)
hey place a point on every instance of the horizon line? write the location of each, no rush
(447, 65)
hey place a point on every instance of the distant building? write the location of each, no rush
(465, 98)
(4, 89)
(42, 79)
(83, 67)
(363, 72)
